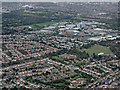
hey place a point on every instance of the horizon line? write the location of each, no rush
(66, 1)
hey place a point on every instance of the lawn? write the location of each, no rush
(98, 49)
(57, 58)
(59, 84)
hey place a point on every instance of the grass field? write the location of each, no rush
(98, 49)
(39, 24)
(57, 58)
(59, 84)
(47, 23)
(90, 19)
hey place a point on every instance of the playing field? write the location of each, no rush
(98, 49)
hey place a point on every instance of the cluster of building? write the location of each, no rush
(32, 59)
(34, 74)
(19, 49)
(69, 35)
(63, 35)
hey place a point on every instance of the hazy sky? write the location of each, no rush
(60, 0)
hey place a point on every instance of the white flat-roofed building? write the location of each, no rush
(95, 39)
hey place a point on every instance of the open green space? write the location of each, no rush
(57, 58)
(89, 19)
(98, 49)
(59, 84)
(39, 25)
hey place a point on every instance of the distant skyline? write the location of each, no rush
(60, 0)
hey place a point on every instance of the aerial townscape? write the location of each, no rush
(60, 45)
